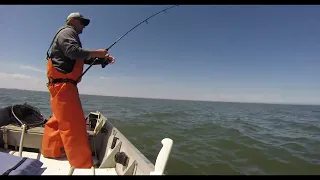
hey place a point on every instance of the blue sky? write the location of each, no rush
(221, 53)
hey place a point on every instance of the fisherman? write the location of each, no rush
(65, 132)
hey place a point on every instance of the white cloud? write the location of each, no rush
(22, 81)
(32, 68)
(14, 76)
(103, 78)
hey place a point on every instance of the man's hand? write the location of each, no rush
(100, 53)
(109, 59)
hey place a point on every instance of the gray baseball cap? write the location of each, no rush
(79, 16)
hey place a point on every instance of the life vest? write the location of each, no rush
(54, 76)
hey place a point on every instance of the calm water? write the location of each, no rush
(209, 137)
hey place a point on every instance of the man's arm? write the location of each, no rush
(71, 48)
(67, 40)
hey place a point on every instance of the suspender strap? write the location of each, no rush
(53, 41)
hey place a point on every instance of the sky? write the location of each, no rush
(266, 54)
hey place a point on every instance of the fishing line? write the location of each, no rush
(146, 20)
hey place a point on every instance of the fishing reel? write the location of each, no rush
(102, 61)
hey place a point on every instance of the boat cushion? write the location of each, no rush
(15, 165)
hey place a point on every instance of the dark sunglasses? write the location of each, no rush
(81, 21)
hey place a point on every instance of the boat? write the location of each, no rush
(112, 152)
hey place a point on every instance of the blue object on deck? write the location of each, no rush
(15, 165)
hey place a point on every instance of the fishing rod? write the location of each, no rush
(102, 59)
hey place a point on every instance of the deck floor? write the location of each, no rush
(61, 166)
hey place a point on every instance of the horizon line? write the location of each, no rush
(295, 104)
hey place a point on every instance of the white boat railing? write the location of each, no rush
(163, 157)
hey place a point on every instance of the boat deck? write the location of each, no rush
(61, 166)
(118, 156)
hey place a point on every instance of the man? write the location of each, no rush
(66, 129)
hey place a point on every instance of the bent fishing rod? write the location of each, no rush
(102, 59)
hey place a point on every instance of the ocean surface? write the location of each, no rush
(209, 137)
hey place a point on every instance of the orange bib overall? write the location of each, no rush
(67, 127)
